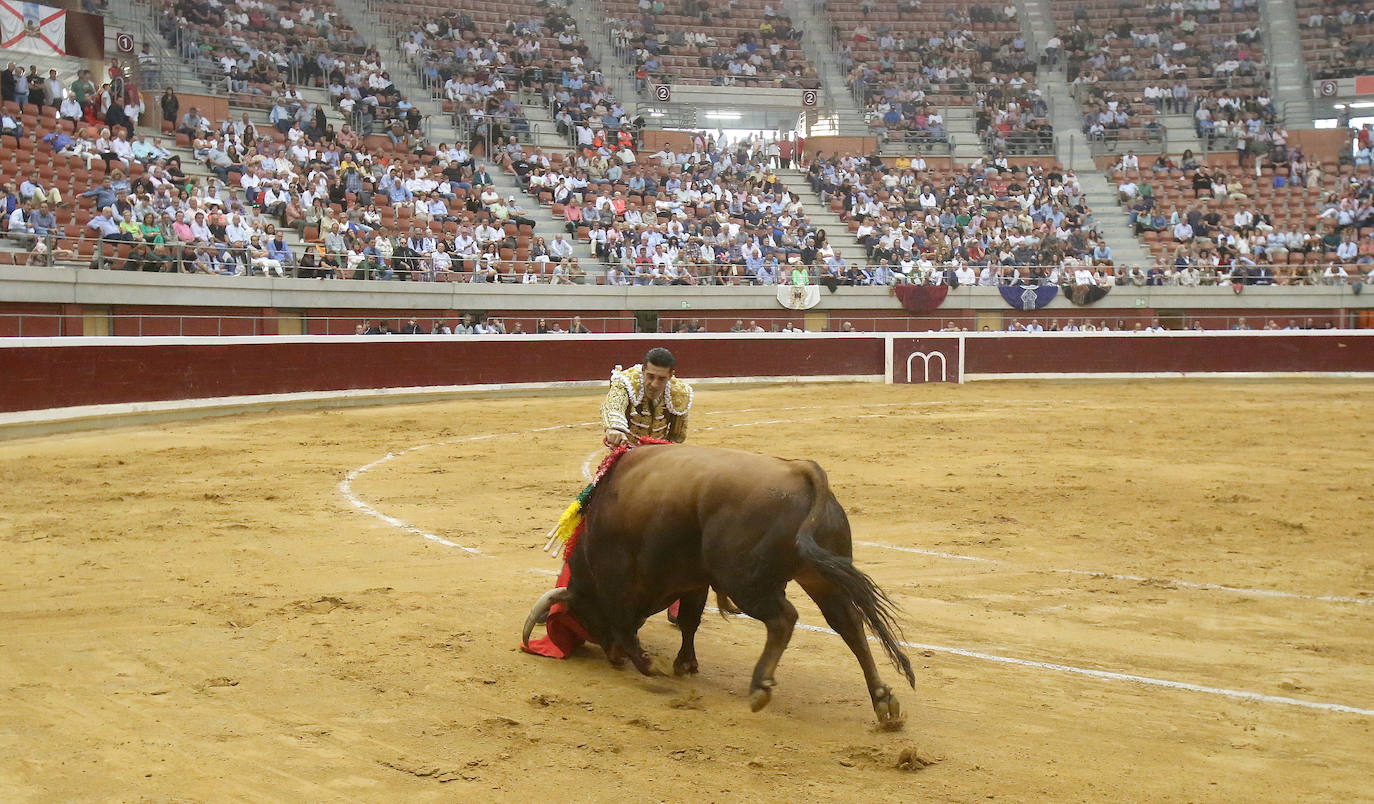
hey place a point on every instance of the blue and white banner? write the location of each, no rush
(33, 28)
(1024, 297)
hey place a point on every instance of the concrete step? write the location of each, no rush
(591, 24)
(1283, 43)
(836, 230)
(817, 47)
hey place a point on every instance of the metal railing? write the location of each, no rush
(365, 263)
(776, 322)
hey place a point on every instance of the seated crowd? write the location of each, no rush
(1337, 37)
(1013, 118)
(906, 63)
(732, 43)
(484, 64)
(1299, 222)
(986, 224)
(261, 52)
(714, 215)
(478, 67)
(294, 196)
(1129, 62)
(364, 208)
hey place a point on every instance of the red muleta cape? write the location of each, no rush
(562, 632)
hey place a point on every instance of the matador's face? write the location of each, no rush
(655, 380)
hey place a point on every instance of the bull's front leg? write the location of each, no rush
(625, 642)
(688, 620)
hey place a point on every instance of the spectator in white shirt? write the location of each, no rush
(560, 249)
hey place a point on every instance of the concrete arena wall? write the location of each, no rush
(56, 373)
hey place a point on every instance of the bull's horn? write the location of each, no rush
(542, 606)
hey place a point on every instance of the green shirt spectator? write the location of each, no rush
(82, 89)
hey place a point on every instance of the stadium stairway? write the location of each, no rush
(963, 133)
(618, 77)
(836, 230)
(1071, 144)
(405, 74)
(850, 120)
(1182, 133)
(441, 129)
(1111, 221)
(403, 71)
(1283, 41)
(139, 21)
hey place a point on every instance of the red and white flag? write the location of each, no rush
(31, 28)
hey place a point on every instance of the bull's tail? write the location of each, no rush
(878, 611)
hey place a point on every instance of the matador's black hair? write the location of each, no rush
(658, 356)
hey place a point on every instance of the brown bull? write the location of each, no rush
(670, 522)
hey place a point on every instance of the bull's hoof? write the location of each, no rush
(760, 696)
(685, 667)
(644, 664)
(616, 656)
(887, 709)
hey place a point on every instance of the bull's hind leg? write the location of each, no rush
(778, 616)
(688, 619)
(846, 620)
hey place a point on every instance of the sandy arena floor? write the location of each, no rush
(197, 612)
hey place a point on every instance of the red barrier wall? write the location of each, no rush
(954, 357)
(56, 373)
(1140, 353)
(154, 369)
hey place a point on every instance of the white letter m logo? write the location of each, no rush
(926, 359)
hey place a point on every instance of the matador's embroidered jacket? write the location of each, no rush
(626, 407)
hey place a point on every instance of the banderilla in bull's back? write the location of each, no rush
(668, 523)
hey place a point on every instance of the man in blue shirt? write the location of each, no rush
(282, 116)
(107, 226)
(32, 190)
(279, 251)
(395, 190)
(103, 194)
(146, 152)
(43, 221)
(11, 125)
(58, 140)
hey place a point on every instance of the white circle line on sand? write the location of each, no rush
(587, 473)
(1109, 675)
(1211, 587)
(346, 485)
(1103, 675)
(346, 488)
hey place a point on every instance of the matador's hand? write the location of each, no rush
(614, 438)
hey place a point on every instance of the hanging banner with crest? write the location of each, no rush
(32, 28)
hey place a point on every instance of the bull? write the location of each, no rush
(671, 522)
